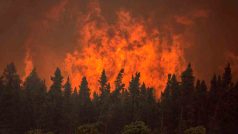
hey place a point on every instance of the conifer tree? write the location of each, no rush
(11, 110)
(75, 108)
(67, 108)
(167, 107)
(115, 121)
(104, 100)
(119, 86)
(56, 87)
(55, 103)
(104, 85)
(187, 98)
(214, 86)
(226, 111)
(35, 100)
(227, 77)
(67, 89)
(200, 103)
(85, 103)
(84, 93)
(182, 105)
(1, 85)
(134, 92)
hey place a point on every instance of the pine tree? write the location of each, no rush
(213, 95)
(67, 89)
(214, 98)
(85, 104)
(55, 100)
(1, 85)
(115, 121)
(213, 88)
(226, 112)
(56, 87)
(200, 103)
(227, 77)
(10, 109)
(134, 92)
(166, 108)
(104, 100)
(187, 98)
(96, 106)
(134, 86)
(119, 86)
(84, 93)
(75, 108)
(232, 109)
(151, 109)
(10, 78)
(187, 81)
(104, 85)
(67, 111)
(35, 100)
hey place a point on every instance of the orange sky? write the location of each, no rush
(84, 37)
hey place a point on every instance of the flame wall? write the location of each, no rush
(128, 44)
(155, 37)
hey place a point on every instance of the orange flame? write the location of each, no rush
(28, 64)
(38, 28)
(129, 43)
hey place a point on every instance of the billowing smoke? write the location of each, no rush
(154, 37)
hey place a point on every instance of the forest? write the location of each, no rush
(186, 106)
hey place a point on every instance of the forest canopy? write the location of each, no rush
(185, 106)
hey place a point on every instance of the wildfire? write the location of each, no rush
(129, 43)
(28, 64)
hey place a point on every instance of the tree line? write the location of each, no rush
(185, 105)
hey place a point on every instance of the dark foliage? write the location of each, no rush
(29, 107)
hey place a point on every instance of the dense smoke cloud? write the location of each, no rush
(48, 29)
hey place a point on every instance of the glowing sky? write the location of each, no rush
(47, 32)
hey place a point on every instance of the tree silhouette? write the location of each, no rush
(11, 101)
(35, 100)
(226, 78)
(187, 89)
(200, 103)
(55, 103)
(30, 107)
(67, 108)
(85, 104)
(119, 86)
(134, 90)
(104, 85)
(67, 90)
(84, 94)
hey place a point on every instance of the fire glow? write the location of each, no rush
(129, 44)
